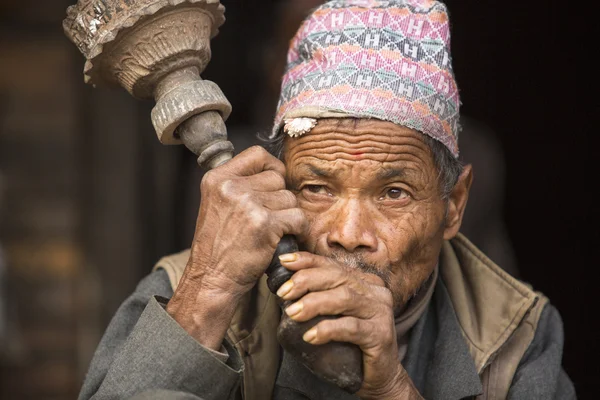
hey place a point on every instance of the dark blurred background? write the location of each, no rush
(89, 199)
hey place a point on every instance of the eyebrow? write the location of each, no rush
(390, 173)
(383, 174)
(318, 172)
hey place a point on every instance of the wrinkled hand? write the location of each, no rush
(322, 286)
(244, 212)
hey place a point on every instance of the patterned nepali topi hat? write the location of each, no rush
(388, 60)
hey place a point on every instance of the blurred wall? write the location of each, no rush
(40, 219)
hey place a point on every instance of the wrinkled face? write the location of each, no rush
(370, 191)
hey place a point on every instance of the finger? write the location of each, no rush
(291, 221)
(317, 273)
(265, 181)
(253, 161)
(303, 259)
(279, 200)
(373, 279)
(343, 329)
(342, 300)
(314, 279)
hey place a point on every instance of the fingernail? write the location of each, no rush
(310, 335)
(290, 257)
(294, 309)
(285, 288)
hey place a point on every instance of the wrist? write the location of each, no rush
(203, 310)
(215, 273)
(404, 389)
(401, 387)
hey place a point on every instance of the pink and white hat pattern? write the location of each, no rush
(374, 59)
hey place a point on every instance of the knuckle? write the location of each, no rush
(299, 217)
(257, 151)
(346, 273)
(325, 328)
(209, 180)
(245, 199)
(387, 297)
(347, 294)
(387, 336)
(377, 280)
(277, 178)
(290, 198)
(352, 325)
(260, 153)
(224, 187)
(277, 162)
(294, 221)
(258, 219)
(273, 239)
(372, 279)
(310, 301)
(299, 279)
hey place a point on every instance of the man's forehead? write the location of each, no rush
(374, 144)
(368, 137)
(383, 172)
(360, 126)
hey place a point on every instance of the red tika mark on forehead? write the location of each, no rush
(357, 153)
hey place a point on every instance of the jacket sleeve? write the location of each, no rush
(540, 375)
(145, 351)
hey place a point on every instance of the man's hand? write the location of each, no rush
(322, 286)
(244, 212)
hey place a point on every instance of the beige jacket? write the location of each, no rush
(498, 316)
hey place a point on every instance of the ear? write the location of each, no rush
(457, 201)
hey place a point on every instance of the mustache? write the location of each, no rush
(357, 261)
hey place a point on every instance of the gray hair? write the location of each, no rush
(449, 167)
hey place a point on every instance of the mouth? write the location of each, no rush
(357, 261)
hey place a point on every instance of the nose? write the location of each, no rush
(352, 229)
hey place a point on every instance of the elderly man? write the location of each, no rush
(364, 172)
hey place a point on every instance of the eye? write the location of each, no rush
(318, 189)
(395, 194)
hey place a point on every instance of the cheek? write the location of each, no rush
(408, 233)
(414, 249)
(317, 224)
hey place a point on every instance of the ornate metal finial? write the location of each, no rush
(158, 49)
(131, 42)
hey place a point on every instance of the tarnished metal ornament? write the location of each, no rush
(158, 49)
(133, 42)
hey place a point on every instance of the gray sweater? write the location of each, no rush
(145, 354)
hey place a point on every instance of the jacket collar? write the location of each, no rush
(481, 301)
(489, 303)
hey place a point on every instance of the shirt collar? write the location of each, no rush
(411, 315)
